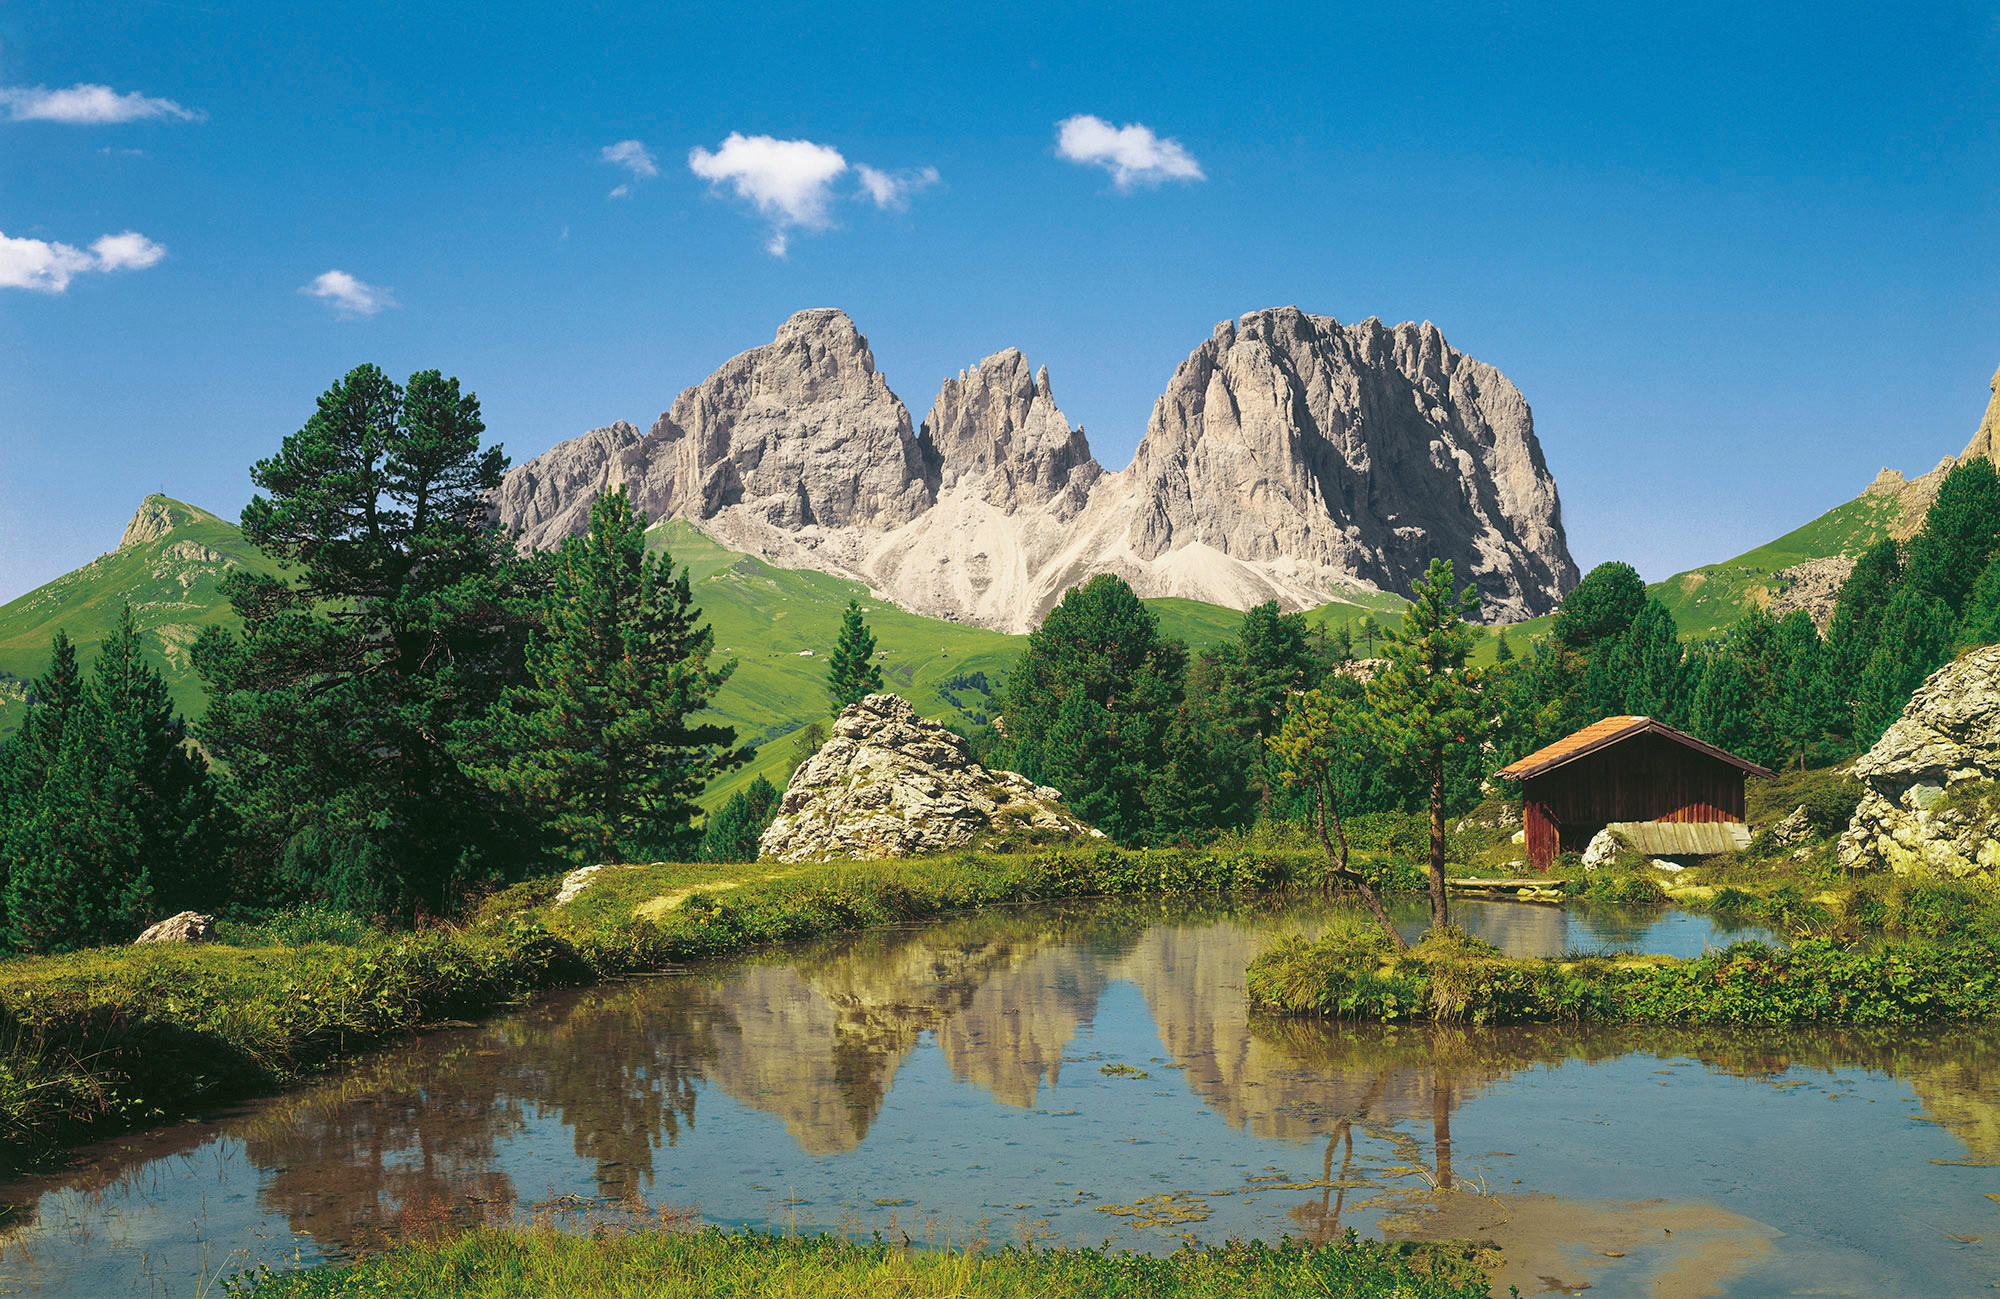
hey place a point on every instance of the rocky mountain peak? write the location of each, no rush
(800, 432)
(996, 427)
(157, 516)
(1365, 449)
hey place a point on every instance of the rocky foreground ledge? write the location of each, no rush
(892, 784)
(1932, 804)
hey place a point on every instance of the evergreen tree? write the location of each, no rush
(1915, 641)
(1602, 606)
(1212, 752)
(1426, 703)
(352, 712)
(806, 741)
(1502, 651)
(1320, 728)
(851, 676)
(1343, 644)
(1724, 709)
(1799, 709)
(1857, 621)
(1089, 703)
(1980, 623)
(1649, 657)
(732, 834)
(1960, 534)
(110, 814)
(601, 743)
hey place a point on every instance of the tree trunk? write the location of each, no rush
(1321, 802)
(1440, 915)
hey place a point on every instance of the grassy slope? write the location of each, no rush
(1707, 600)
(172, 585)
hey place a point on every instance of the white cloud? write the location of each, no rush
(1132, 154)
(633, 157)
(789, 181)
(891, 190)
(86, 105)
(623, 191)
(350, 298)
(130, 251)
(46, 267)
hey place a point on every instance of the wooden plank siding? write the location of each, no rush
(1647, 777)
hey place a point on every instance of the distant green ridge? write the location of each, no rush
(1705, 601)
(171, 571)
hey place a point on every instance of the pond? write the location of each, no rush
(1084, 1073)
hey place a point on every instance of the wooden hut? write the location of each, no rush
(1663, 790)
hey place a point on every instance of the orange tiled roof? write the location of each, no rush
(1605, 733)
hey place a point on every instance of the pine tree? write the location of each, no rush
(1857, 620)
(851, 676)
(732, 834)
(354, 709)
(1320, 728)
(110, 813)
(1724, 709)
(1089, 703)
(601, 742)
(1961, 532)
(1798, 705)
(1980, 623)
(1427, 701)
(1915, 641)
(1602, 606)
(1502, 651)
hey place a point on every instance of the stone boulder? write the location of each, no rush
(1794, 830)
(1930, 804)
(889, 783)
(187, 927)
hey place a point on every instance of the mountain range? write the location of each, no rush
(1291, 457)
(997, 442)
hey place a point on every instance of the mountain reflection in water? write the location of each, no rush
(1022, 1071)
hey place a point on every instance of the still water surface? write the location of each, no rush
(1087, 1073)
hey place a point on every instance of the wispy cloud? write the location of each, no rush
(633, 157)
(351, 299)
(1132, 154)
(791, 182)
(87, 105)
(42, 266)
(891, 190)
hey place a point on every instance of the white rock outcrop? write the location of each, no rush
(889, 783)
(1931, 804)
(1291, 458)
(184, 927)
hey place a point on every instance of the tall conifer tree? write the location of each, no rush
(851, 673)
(601, 740)
(1427, 701)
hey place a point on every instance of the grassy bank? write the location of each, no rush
(493, 1262)
(102, 1040)
(1353, 974)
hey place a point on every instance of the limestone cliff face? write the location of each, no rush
(996, 430)
(1357, 449)
(1929, 807)
(549, 497)
(800, 432)
(1292, 458)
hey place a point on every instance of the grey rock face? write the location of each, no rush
(996, 428)
(1292, 458)
(549, 498)
(156, 517)
(1813, 586)
(187, 927)
(800, 432)
(889, 783)
(1363, 449)
(1930, 805)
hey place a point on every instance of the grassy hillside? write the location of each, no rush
(1706, 600)
(171, 581)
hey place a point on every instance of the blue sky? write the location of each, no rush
(1737, 257)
